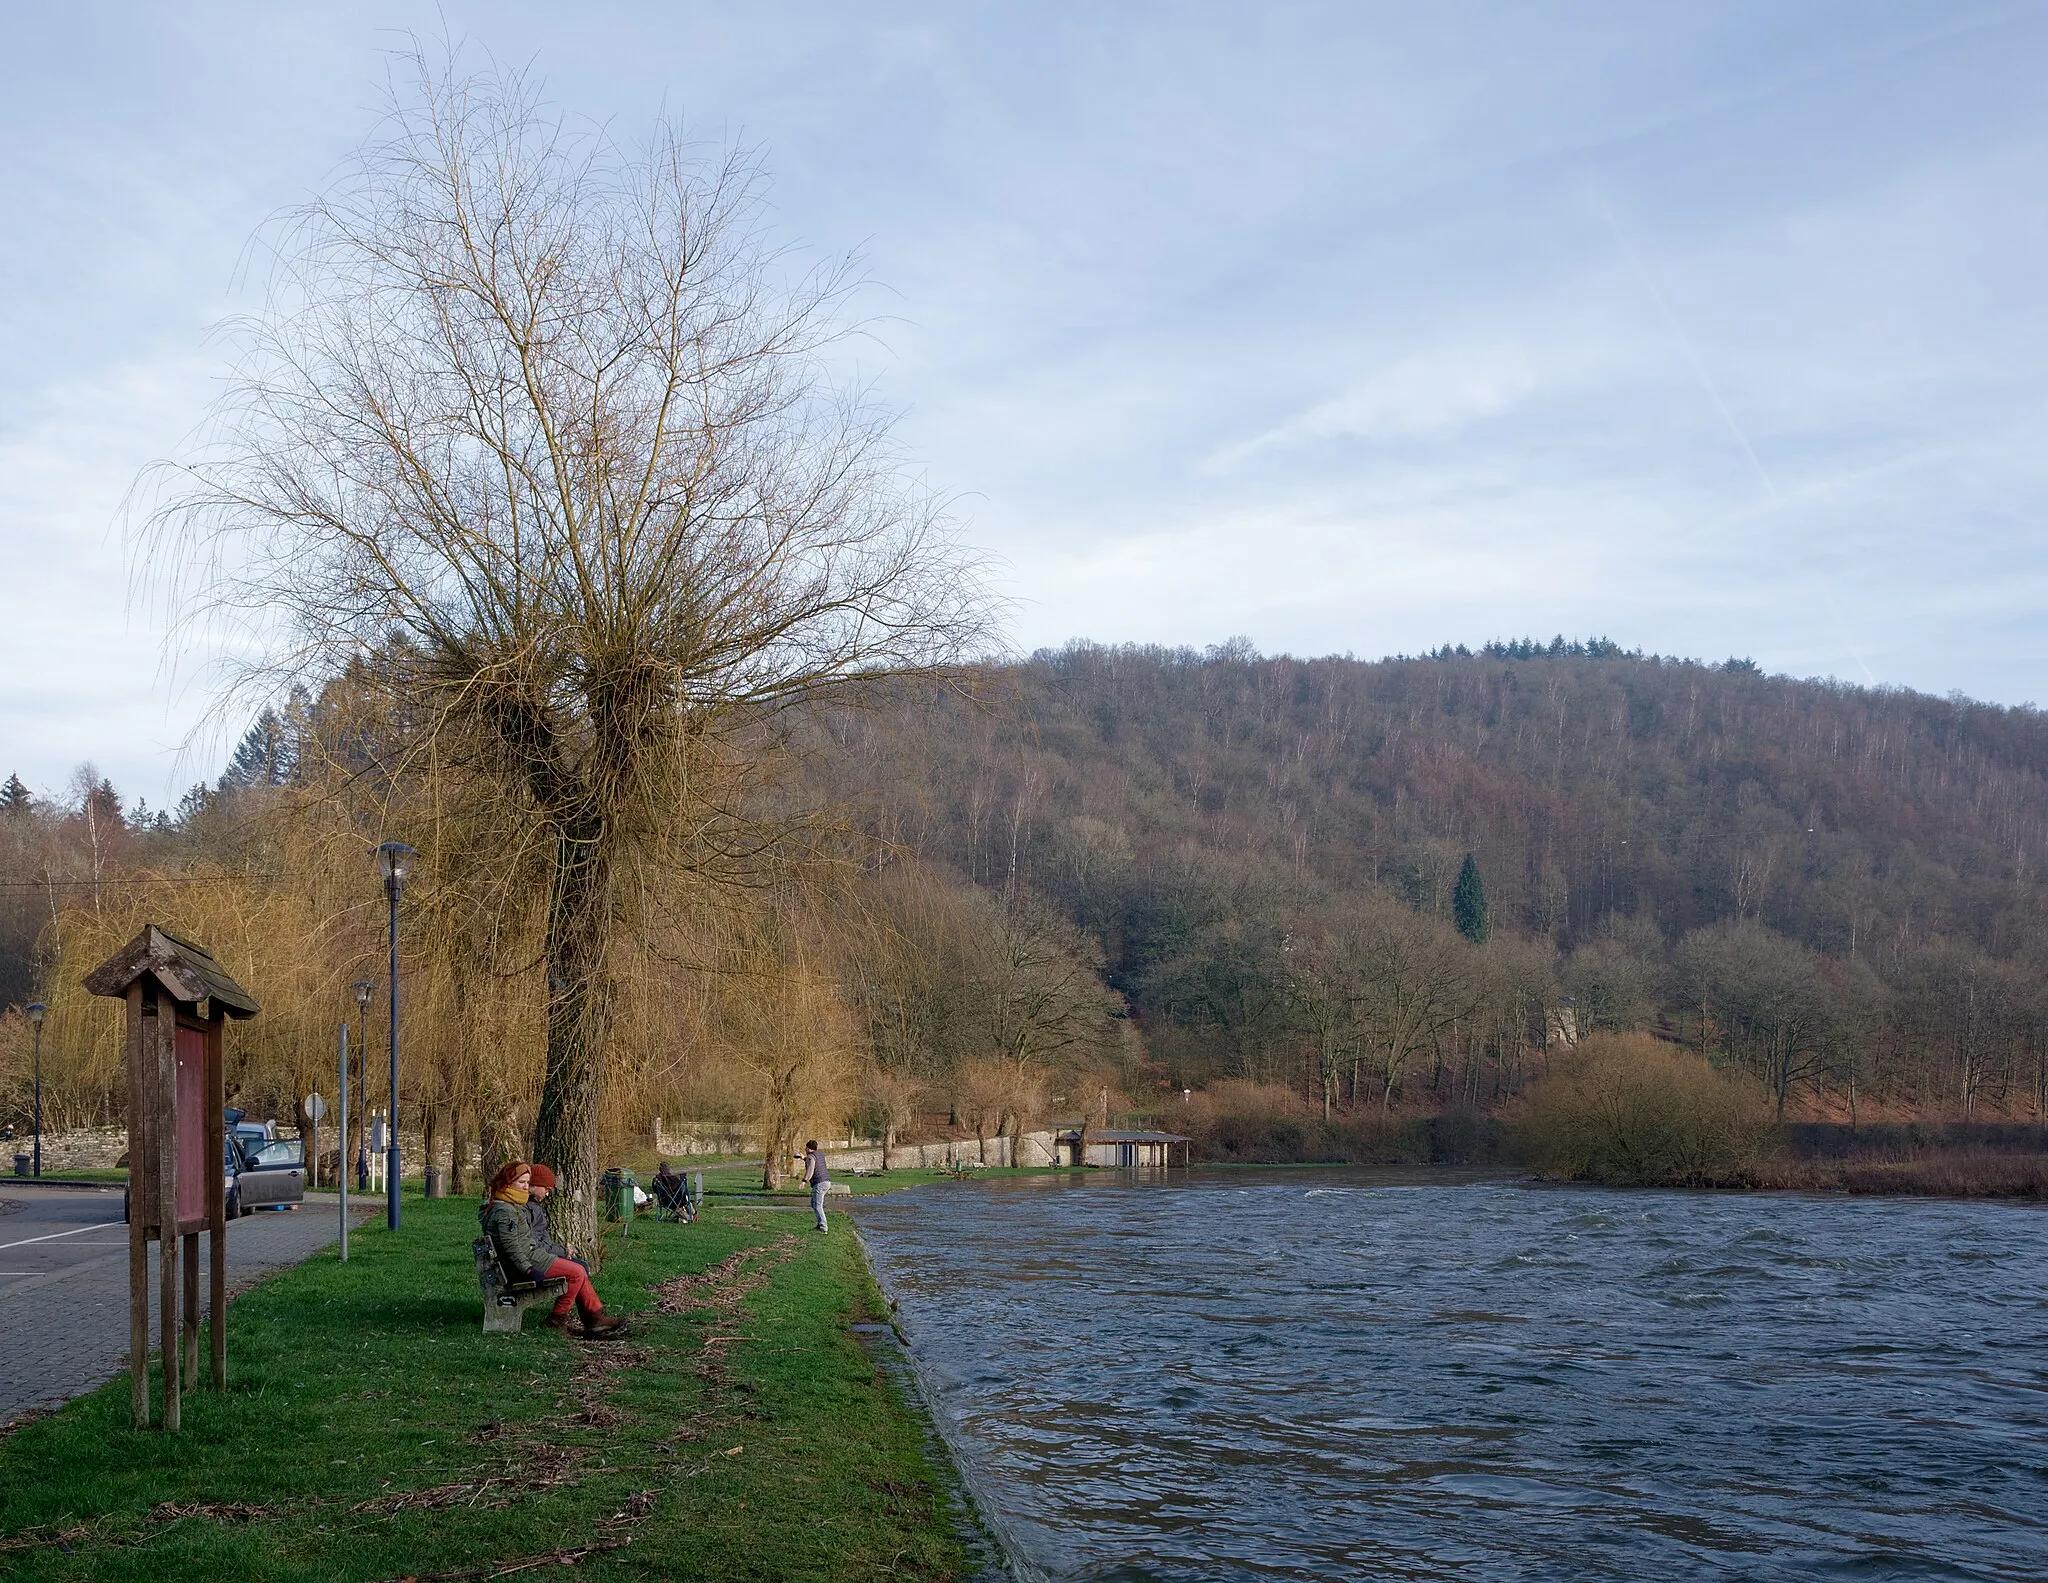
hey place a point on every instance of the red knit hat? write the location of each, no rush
(543, 1177)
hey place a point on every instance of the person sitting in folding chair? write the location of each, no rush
(672, 1196)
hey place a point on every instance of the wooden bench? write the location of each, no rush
(506, 1302)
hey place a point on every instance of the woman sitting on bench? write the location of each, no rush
(504, 1220)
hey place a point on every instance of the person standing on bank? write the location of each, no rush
(817, 1177)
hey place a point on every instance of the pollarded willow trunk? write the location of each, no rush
(430, 1147)
(579, 1016)
(458, 1147)
(778, 1126)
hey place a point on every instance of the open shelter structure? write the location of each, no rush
(179, 999)
(1105, 1146)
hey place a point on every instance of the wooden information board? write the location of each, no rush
(178, 1001)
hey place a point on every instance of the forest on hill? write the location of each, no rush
(1836, 887)
(1085, 882)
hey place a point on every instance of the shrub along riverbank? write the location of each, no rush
(370, 1431)
(1631, 1110)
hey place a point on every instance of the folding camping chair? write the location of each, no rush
(672, 1200)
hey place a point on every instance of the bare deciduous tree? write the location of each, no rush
(539, 431)
(1417, 977)
(890, 1100)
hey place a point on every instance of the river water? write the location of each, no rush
(1357, 1374)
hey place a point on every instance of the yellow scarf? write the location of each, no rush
(512, 1195)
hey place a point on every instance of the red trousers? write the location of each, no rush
(580, 1293)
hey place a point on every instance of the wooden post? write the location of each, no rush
(216, 1204)
(163, 1107)
(142, 1014)
(189, 1258)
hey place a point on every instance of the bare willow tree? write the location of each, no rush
(542, 433)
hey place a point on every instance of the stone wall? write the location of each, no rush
(683, 1140)
(1030, 1148)
(88, 1149)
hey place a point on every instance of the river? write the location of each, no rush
(1377, 1374)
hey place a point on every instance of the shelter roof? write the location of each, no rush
(187, 972)
(1109, 1135)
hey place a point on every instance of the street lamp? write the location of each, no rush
(394, 862)
(35, 1010)
(364, 989)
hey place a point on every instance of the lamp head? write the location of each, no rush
(35, 1010)
(363, 990)
(394, 862)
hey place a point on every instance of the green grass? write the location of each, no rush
(96, 1173)
(371, 1431)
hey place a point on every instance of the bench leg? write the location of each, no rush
(507, 1318)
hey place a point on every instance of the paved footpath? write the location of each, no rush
(64, 1283)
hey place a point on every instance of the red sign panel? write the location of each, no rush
(193, 1131)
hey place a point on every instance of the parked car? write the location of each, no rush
(251, 1135)
(259, 1171)
(274, 1173)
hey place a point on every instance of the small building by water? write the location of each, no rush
(1109, 1147)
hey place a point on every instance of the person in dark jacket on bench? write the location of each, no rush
(537, 1196)
(505, 1223)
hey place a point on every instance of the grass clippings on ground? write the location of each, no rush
(372, 1432)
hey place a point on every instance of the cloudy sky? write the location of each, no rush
(1713, 328)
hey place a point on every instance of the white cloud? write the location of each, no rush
(1304, 323)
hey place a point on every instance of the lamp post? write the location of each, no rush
(394, 862)
(35, 1009)
(363, 989)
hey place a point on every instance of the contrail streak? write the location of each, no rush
(1699, 368)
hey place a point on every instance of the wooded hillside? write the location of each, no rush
(1124, 872)
(1838, 886)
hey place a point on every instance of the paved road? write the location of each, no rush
(64, 1283)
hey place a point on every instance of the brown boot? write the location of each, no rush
(557, 1322)
(602, 1326)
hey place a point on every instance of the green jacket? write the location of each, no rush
(512, 1240)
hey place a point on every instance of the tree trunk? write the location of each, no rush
(497, 1131)
(431, 1139)
(778, 1126)
(458, 1151)
(579, 1012)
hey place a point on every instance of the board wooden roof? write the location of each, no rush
(187, 971)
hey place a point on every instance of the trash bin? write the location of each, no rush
(434, 1188)
(618, 1186)
(22, 1163)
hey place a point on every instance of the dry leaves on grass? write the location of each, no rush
(214, 1511)
(726, 1284)
(638, 1508)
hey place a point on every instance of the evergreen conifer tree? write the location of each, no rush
(14, 797)
(1468, 902)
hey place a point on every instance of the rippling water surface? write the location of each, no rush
(1349, 1374)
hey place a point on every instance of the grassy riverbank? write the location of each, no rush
(372, 1432)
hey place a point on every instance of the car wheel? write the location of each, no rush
(235, 1210)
